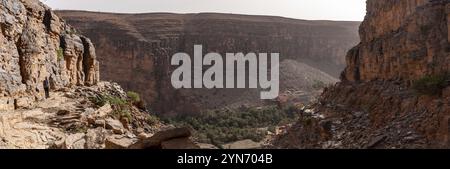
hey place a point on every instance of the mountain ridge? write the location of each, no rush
(204, 13)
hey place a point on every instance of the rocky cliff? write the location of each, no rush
(81, 112)
(135, 50)
(395, 89)
(400, 40)
(36, 44)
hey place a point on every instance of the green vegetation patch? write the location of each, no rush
(431, 84)
(60, 53)
(318, 85)
(134, 96)
(225, 126)
(121, 107)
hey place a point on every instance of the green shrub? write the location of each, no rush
(72, 31)
(135, 98)
(318, 84)
(307, 121)
(98, 100)
(272, 129)
(81, 129)
(426, 29)
(60, 53)
(121, 108)
(431, 84)
(103, 99)
(123, 113)
(113, 100)
(152, 120)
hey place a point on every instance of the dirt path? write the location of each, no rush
(30, 128)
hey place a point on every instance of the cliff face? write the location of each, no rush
(80, 113)
(36, 44)
(402, 41)
(135, 50)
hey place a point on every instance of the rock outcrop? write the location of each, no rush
(401, 40)
(81, 112)
(36, 44)
(72, 119)
(135, 50)
(177, 138)
(377, 105)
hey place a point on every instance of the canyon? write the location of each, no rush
(395, 89)
(393, 92)
(221, 75)
(134, 50)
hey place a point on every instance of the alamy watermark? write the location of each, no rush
(213, 77)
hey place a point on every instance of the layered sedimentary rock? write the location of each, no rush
(135, 50)
(401, 40)
(79, 114)
(36, 44)
(403, 43)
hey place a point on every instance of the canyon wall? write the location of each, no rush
(135, 50)
(400, 40)
(36, 44)
(404, 44)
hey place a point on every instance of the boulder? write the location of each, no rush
(115, 125)
(100, 123)
(23, 103)
(103, 111)
(118, 142)
(375, 142)
(6, 104)
(156, 140)
(143, 136)
(243, 144)
(95, 138)
(75, 141)
(58, 144)
(207, 146)
(179, 143)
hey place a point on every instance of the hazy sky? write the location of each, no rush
(353, 10)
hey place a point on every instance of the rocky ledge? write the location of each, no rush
(72, 118)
